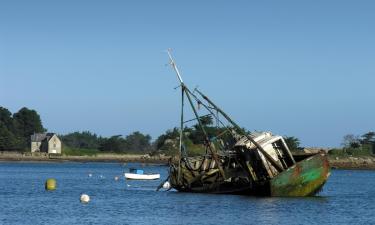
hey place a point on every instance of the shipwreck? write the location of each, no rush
(239, 162)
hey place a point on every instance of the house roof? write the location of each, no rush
(39, 137)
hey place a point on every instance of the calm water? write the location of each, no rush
(348, 198)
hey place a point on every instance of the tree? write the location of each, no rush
(197, 135)
(85, 139)
(7, 139)
(292, 142)
(206, 120)
(27, 122)
(113, 144)
(6, 118)
(368, 138)
(138, 142)
(172, 134)
(351, 141)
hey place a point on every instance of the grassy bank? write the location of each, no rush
(81, 156)
(80, 152)
(365, 150)
(359, 158)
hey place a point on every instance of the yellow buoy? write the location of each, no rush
(51, 185)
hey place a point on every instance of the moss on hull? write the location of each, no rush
(306, 178)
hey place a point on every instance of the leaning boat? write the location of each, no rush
(238, 162)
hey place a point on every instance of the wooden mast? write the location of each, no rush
(186, 91)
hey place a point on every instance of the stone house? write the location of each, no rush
(45, 142)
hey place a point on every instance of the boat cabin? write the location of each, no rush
(136, 171)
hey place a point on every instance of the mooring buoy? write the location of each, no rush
(85, 199)
(50, 184)
(167, 185)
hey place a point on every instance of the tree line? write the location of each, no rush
(354, 144)
(135, 142)
(16, 129)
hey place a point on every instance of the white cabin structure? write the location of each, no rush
(45, 142)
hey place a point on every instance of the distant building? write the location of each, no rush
(47, 142)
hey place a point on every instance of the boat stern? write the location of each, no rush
(305, 178)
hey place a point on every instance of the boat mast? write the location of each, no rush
(173, 64)
(186, 91)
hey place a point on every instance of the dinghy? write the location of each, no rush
(137, 174)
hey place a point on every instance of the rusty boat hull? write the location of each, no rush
(305, 178)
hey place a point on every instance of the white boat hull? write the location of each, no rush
(133, 176)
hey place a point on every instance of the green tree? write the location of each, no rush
(8, 141)
(27, 122)
(351, 141)
(171, 134)
(83, 140)
(368, 138)
(113, 144)
(138, 142)
(6, 118)
(292, 142)
(206, 120)
(15, 131)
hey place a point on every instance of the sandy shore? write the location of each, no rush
(28, 157)
(365, 163)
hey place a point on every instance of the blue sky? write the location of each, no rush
(298, 68)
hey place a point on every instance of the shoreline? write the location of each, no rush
(105, 158)
(351, 163)
(12, 160)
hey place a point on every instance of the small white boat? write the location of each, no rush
(137, 174)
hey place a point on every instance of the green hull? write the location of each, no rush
(306, 178)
